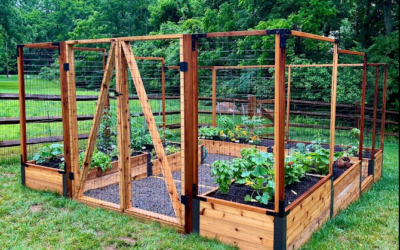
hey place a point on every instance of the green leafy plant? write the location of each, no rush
(226, 124)
(99, 160)
(140, 135)
(107, 134)
(353, 147)
(208, 133)
(296, 167)
(224, 171)
(48, 153)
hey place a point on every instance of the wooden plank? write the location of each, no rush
(214, 97)
(280, 79)
(92, 41)
(241, 244)
(189, 89)
(39, 45)
(333, 107)
(99, 203)
(378, 166)
(137, 79)
(150, 38)
(22, 105)
(74, 136)
(151, 215)
(105, 86)
(236, 205)
(238, 216)
(237, 33)
(15, 120)
(384, 103)
(349, 52)
(367, 184)
(63, 59)
(5, 96)
(38, 184)
(375, 116)
(363, 104)
(288, 103)
(228, 148)
(124, 137)
(238, 231)
(164, 105)
(88, 49)
(311, 36)
(44, 175)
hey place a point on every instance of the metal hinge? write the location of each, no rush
(71, 176)
(184, 66)
(194, 39)
(66, 66)
(185, 200)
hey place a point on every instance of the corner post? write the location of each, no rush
(288, 102)
(374, 127)
(214, 97)
(333, 106)
(280, 82)
(384, 109)
(63, 59)
(22, 104)
(364, 96)
(189, 99)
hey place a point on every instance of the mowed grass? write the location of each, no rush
(373, 221)
(39, 220)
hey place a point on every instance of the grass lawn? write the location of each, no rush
(39, 220)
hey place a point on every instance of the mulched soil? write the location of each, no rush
(52, 164)
(238, 192)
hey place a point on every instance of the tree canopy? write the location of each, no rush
(365, 25)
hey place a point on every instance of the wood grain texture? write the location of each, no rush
(228, 148)
(105, 87)
(153, 128)
(42, 178)
(333, 107)
(378, 166)
(312, 36)
(239, 227)
(308, 216)
(367, 184)
(22, 105)
(347, 188)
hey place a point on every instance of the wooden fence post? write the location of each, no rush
(252, 106)
(280, 79)
(189, 93)
(374, 128)
(333, 107)
(22, 104)
(63, 61)
(384, 108)
(364, 96)
(288, 102)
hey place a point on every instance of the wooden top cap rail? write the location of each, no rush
(349, 52)
(312, 36)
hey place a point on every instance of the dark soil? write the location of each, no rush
(238, 192)
(54, 163)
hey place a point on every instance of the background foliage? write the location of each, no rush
(364, 25)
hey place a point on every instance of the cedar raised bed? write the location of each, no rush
(43, 178)
(249, 227)
(50, 179)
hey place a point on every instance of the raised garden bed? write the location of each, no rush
(52, 179)
(44, 178)
(254, 227)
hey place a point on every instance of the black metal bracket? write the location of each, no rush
(194, 39)
(282, 210)
(57, 45)
(71, 176)
(184, 67)
(19, 46)
(283, 33)
(371, 168)
(66, 66)
(65, 185)
(185, 200)
(149, 166)
(337, 40)
(165, 68)
(195, 196)
(117, 94)
(280, 233)
(332, 198)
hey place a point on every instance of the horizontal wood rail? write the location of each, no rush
(45, 97)
(312, 36)
(349, 52)
(14, 143)
(15, 120)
